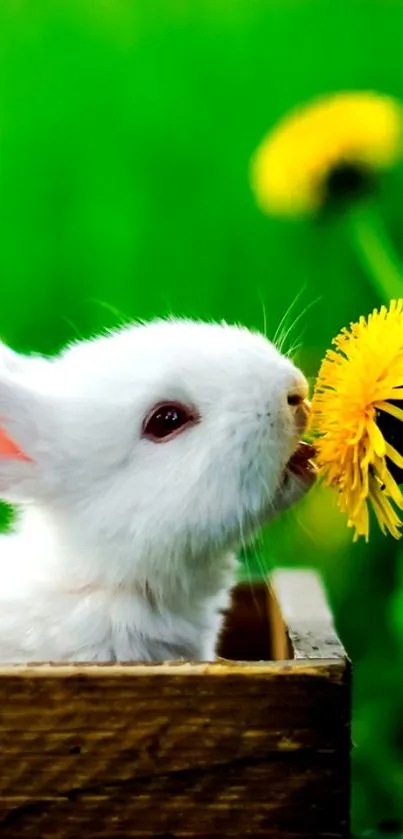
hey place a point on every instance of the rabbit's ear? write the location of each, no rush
(9, 449)
(23, 432)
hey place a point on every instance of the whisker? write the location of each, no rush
(73, 326)
(286, 334)
(262, 303)
(303, 526)
(291, 353)
(250, 581)
(118, 314)
(259, 561)
(287, 313)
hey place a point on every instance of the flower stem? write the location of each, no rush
(376, 251)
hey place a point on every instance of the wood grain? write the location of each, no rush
(306, 617)
(175, 750)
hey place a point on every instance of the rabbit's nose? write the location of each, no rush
(298, 389)
(297, 400)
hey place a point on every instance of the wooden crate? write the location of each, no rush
(188, 749)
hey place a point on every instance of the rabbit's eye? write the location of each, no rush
(166, 421)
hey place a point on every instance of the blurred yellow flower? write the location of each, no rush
(357, 412)
(329, 149)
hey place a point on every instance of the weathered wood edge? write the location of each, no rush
(307, 617)
(218, 669)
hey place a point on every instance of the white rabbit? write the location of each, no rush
(151, 453)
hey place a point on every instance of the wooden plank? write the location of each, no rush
(214, 803)
(281, 647)
(15, 675)
(175, 750)
(306, 614)
(184, 749)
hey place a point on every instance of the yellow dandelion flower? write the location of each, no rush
(357, 413)
(327, 150)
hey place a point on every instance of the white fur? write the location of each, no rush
(125, 549)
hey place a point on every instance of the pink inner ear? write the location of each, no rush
(9, 449)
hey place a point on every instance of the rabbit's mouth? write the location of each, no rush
(297, 478)
(302, 465)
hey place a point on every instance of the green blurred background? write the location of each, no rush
(126, 130)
